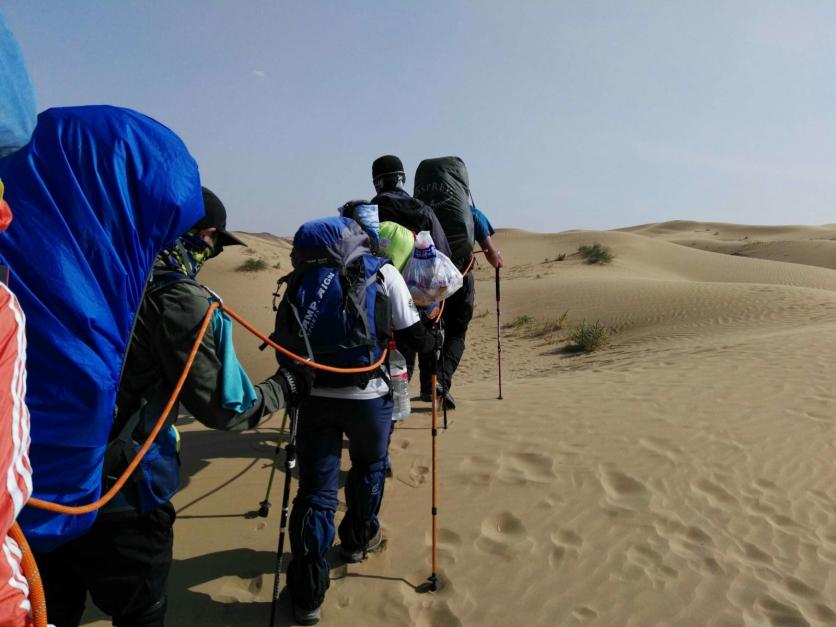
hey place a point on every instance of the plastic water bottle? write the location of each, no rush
(400, 383)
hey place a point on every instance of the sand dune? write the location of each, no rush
(809, 245)
(681, 476)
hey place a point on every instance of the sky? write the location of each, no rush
(590, 114)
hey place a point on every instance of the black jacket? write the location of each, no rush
(398, 206)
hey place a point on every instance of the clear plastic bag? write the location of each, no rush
(430, 275)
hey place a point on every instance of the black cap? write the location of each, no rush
(387, 164)
(216, 217)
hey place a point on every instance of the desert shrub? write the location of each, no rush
(561, 257)
(249, 251)
(589, 337)
(595, 253)
(277, 265)
(252, 265)
(548, 327)
(519, 322)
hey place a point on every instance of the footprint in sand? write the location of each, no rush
(716, 494)
(799, 588)
(449, 543)
(755, 554)
(661, 447)
(477, 471)
(432, 614)
(621, 489)
(652, 564)
(567, 544)
(503, 535)
(418, 474)
(520, 468)
(778, 613)
(584, 613)
(233, 589)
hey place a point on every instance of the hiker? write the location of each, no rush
(17, 119)
(394, 204)
(443, 184)
(358, 406)
(124, 559)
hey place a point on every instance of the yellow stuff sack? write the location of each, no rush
(396, 242)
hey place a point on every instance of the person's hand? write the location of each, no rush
(296, 382)
(493, 257)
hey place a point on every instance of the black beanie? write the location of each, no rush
(387, 164)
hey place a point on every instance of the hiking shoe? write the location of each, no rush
(447, 401)
(426, 397)
(305, 617)
(358, 555)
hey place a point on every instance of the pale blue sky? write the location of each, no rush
(584, 114)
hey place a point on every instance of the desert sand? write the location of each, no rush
(682, 475)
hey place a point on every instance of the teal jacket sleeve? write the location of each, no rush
(482, 228)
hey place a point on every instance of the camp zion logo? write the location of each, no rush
(312, 311)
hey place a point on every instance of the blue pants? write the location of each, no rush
(319, 443)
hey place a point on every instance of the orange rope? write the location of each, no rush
(300, 359)
(86, 509)
(37, 598)
(30, 567)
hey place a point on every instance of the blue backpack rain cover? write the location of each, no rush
(96, 194)
(333, 308)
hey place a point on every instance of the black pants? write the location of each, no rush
(458, 310)
(123, 561)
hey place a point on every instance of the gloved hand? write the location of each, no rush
(296, 383)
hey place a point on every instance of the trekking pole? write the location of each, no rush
(289, 465)
(431, 584)
(498, 346)
(439, 361)
(264, 506)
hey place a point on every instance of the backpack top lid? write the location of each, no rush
(335, 241)
(443, 184)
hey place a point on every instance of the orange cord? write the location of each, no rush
(300, 359)
(30, 568)
(37, 598)
(86, 509)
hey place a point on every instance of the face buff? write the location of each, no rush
(188, 255)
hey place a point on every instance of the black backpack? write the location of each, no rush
(443, 184)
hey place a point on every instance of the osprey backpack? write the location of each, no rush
(443, 184)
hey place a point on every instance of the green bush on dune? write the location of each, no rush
(252, 265)
(589, 337)
(519, 321)
(595, 253)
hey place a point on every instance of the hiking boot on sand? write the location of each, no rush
(358, 555)
(447, 401)
(305, 617)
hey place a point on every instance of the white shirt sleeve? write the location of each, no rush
(404, 313)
